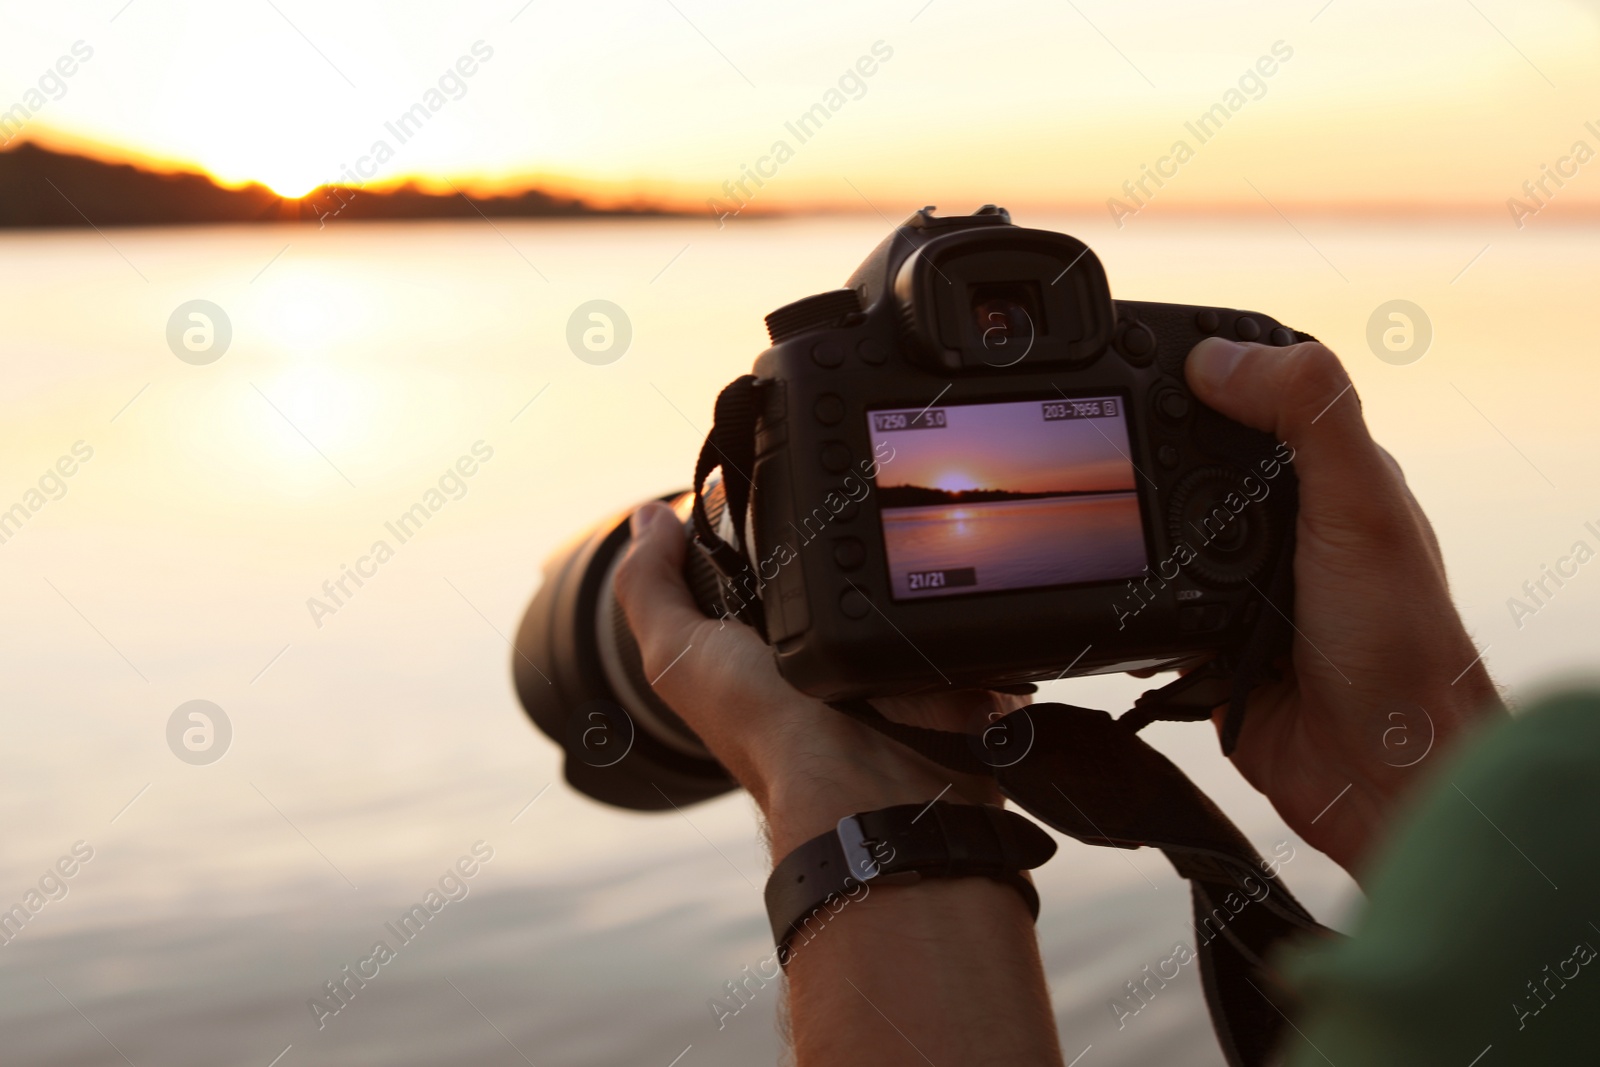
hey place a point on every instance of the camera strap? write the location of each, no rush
(1092, 777)
(731, 445)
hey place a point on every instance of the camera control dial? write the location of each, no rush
(1232, 534)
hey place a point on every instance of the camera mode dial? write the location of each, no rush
(812, 313)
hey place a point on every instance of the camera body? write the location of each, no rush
(969, 468)
(973, 467)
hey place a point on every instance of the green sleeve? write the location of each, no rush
(1477, 945)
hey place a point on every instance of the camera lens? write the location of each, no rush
(580, 678)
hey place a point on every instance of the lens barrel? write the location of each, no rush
(581, 680)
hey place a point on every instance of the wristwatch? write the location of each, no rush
(899, 846)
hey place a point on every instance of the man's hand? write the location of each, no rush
(1378, 645)
(806, 765)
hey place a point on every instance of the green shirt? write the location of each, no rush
(1477, 946)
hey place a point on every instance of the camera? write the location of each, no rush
(969, 467)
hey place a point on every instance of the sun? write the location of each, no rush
(955, 481)
(292, 183)
(290, 166)
(290, 178)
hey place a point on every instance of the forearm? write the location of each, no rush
(946, 971)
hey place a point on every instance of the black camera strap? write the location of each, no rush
(1092, 777)
(731, 445)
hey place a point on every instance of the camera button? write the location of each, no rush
(1137, 343)
(849, 553)
(829, 409)
(1208, 321)
(1246, 328)
(1202, 618)
(873, 351)
(854, 604)
(1167, 456)
(1281, 337)
(828, 353)
(835, 457)
(1173, 405)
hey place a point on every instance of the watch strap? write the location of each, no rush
(896, 846)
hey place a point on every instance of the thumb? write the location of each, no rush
(649, 583)
(1304, 398)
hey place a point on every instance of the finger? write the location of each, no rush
(1394, 464)
(650, 587)
(1419, 518)
(1303, 397)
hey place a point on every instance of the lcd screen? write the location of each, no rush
(1017, 495)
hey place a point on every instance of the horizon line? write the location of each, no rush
(610, 194)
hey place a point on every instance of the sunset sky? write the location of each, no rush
(1437, 103)
(1010, 447)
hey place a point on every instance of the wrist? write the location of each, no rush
(807, 771)
(815, 795)
(1381, 794)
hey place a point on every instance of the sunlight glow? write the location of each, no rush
(291, 186)
(956, 481)
(306, 309)
(238, 90)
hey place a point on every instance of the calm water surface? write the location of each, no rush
(1017, 544)
(377, 742)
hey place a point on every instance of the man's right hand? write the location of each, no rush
(1378, 644)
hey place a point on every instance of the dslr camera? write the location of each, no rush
(969, 467)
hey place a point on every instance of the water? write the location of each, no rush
(1014, 544)
(373, 751)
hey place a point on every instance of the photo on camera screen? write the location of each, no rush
(1018, 495)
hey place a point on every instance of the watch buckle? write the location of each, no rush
(862, 865)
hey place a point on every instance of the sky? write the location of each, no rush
(1008, 446)
(1373, 106)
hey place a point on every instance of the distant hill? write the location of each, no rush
(41, 188)
(921, 496)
